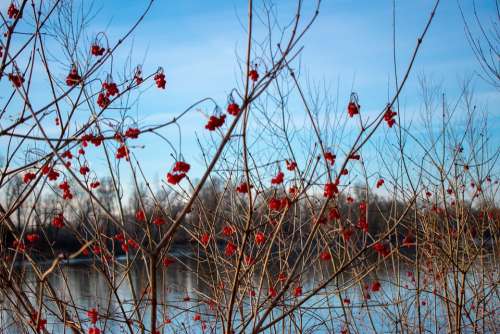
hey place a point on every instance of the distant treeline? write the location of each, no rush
(81, 215)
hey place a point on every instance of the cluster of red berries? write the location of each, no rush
(175, 178)
(16, 79)
(272, 292)
(67, 155)
(181, 167)
(325, 255)
(97, 50)
(13, 11)
(362, 222)
(230, 249)
(66, 190)
(228, 230)
(125, 243)
(354, 156)
(32, 238)
(95, 184)
(215, 122)
(389, 116)
(254, 75)
(58, 220)
(178, 172)
(140, 216)
(381, 248)
(205, 239)
(331, 189)
(277, 204)
(167, 261)
(375, 286)
(132, 133)
(51, 173)
(243, 188)
(330, 157)
(160, 79)
(233, 109)
(278, 179)
(73, 77)
(282, 276)
(40, 324)
(353, 107)
(110, 88)
(138, 76)
(130, 242)
(84, 170)
(297, 292)
(93, 316)
(122, 152)
(90, 137)
(260, 238)
(290, 165)
(158, 221)
(380, 183)
(28, 177)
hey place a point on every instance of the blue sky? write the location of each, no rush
(351, 42)
(348, 48)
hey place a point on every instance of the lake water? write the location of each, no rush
(392, 309)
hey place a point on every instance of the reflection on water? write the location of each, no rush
(88, 288)
(390, 308)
